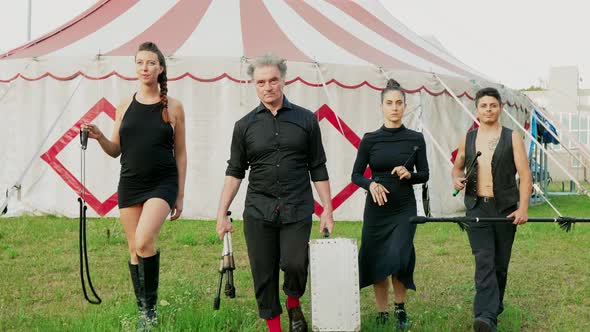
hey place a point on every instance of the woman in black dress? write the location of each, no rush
(149, 135)
(387, 248)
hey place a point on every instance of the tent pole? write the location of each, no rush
(582, 188)
(454, 96)
(540, 192)
(440, 150)
(557, 138)
(330, 99)
(11, 82)
(243, 81)
(545, 182)
(436, 145)
(29, 11)
(572, 138)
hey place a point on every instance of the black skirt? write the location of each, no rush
(130, 193)
(387, 243)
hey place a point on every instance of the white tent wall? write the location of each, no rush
(30, 111)
(444, 118)
(212, 104)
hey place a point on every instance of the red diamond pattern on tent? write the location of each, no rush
(325, 112)
(102, 208)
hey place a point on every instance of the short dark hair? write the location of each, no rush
(490, 92)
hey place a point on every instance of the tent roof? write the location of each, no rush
(325, 31)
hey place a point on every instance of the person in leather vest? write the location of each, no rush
(491, 191)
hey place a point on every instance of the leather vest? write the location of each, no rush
(505, 190)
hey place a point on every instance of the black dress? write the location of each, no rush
(387, 246)
(148, 166)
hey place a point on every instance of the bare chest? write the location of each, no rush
(486, 144)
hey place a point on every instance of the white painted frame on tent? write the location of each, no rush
(335, 294)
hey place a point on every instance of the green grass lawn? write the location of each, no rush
(548, 285)
(564, 186)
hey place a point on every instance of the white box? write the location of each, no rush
(335, 294)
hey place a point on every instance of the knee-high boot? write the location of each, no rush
(149, 273)
(134, 271)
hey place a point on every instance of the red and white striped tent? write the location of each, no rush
(340, 55)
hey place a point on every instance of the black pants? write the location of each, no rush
(272, 246)
(491, 244)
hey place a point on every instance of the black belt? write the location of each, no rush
(486, 199)
(384, 176)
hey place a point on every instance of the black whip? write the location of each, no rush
(82, 239)
(426, 199)
(469, 171)
(6, 207)
(415, 149)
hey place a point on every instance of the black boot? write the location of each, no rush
(297, 321)
(482, 325)
(134, 271)
(402, 318)
(149, 273)
(382, 320)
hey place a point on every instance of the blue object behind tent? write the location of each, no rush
(542, 135)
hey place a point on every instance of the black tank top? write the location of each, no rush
(147, 144)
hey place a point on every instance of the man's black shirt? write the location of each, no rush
(282, 152)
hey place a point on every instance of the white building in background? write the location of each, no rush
(567, 103)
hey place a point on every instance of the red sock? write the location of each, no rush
(274, 324)
(292, 302)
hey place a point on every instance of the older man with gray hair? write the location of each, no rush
(281, 143)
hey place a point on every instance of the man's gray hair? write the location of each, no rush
(269, 59)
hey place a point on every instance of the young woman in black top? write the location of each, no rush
(387, 250)
(149, 135)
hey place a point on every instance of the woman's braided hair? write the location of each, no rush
(162, 78)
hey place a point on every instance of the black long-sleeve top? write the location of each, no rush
(387, 148)
(282, 152)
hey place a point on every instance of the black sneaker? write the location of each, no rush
(147, 321)
(403, 323)
(297, 321)
(481, 325)
(382, 319)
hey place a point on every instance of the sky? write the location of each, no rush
(515, 42)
